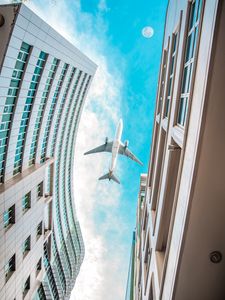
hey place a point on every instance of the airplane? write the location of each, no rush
(115, 147)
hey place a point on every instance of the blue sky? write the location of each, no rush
(109, 32)
(138, 60)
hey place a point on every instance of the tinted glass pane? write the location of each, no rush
(25, 47)
(19, 65)
(170, 86)
(190, 43)
(167, 107)
(193, 15)
(190, 67)
(199, 9)
(184, 81)
(43, 55)
(182, 111)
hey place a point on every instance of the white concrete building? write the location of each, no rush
(181, 248)
(43, 85)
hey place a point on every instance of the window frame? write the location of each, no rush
(26, 202)
(39, 266)
(170, 78)
(26, 286)
(26, 246)
(11, 219)
(10, 267)
(39, 190)
(40, 225)
(192, 61)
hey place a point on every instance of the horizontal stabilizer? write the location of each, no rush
(110, 177)
(115, 179)
(106, 176)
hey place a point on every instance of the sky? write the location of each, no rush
(124, 86)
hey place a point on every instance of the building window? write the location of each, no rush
(39, 230)
(51, 111)
(41, 293)
(46, 261)
(40, 190)
(11, 98)
(10, 267)
(145, 223)
(171, 74)
(38, 266)
(69, 83)
(158, 166)
(27, 111)
(192, 37)
(41, 108)
(147, 259)
(164, 65)
(48, 180)
(26, 287)
(26, 246)
(9, 217)
(168, 203)
(26, 202)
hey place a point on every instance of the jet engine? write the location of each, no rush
(106, 140)
(126, 143)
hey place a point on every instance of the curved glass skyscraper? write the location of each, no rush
(43, 85)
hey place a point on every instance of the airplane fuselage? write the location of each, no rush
(116, 145)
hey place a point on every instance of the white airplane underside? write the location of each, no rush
(115, 147)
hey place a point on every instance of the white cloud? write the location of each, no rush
(101, 270)
(103, 273)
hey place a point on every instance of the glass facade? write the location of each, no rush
(43, 100)
(71, 221)
(41, 108)
(58, 264)
(51, 112)
(192, 37)
(56, 125)
(50, 277)
(11, 99)
(27, 111)
(67, 246)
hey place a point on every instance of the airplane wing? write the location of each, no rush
(123, 150)
(107, 147)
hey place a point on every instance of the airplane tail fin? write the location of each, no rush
(114, 178)
(110, 177)
(106, 176)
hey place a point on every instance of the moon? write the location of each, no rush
(147, 32)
